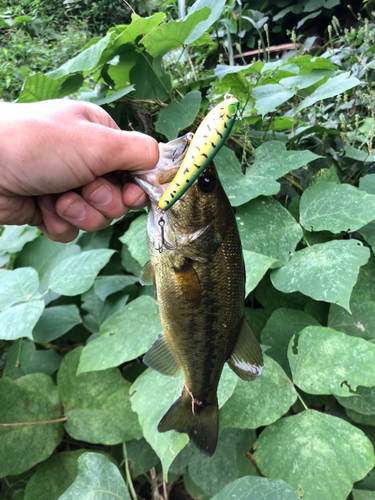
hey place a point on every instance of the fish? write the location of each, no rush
(204, 146)
(197, 269)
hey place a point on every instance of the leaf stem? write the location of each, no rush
(129, 482)
(44, 422)
(302, 401)
(18, 362)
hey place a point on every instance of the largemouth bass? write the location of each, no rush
(197, 269)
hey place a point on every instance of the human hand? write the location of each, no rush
(50, 149)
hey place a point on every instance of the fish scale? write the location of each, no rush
(206, 143)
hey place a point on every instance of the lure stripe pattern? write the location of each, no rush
(218, 123)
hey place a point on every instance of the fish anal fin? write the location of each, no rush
(189, 284)
(160, 358)
(147, 274)
(246, 359)
(202, 426)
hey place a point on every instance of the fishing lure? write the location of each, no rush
(207, 141)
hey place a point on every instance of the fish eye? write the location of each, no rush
(206, 183)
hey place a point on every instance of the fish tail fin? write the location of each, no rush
(202, 425)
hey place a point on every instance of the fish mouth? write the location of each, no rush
(156, 181)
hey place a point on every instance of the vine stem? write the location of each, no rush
(302, 401)
(44, 422)
(129, 482)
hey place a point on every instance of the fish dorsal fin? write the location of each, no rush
(246, 359)
(147, 274)
(160, 358)
(189, 284)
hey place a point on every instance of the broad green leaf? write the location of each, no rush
(367, 183)
(76, 274)
(256, 488)
(124, 336)
(136, 239)
(360, 322)
(280, 328)
(17, 286)
(368, 233)
(304, 81)
(317, 454)
(54, 476)
(32, 398)
(222, 70)
(269, 97)
(329, 362)
(173, 34)
(359, 154)
(363, 495)
(141, 456)
(272, 161)
(359, 418)
(152, 396)
(336, 207)
(211, 474)
(107, 285)
(97, 404)
(178, 115)
(325, 272)
(216, 7)
(97, 479)
(55, 321)
(256, 265)
(13, 238)
(326, 175)
(96, 239)
(267, 228)
(113, 96)
(148, 84)
(84, 61)
(260, 402)
(334, 86)
(363, 401)
(24, 359)
(99, 310)
(44, 255)
(40, 87)
(257, 319)
(18, 321)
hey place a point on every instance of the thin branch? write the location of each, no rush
(25, 424)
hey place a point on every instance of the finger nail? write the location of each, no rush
(76, 210)
(101, 196)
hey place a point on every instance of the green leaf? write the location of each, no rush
(100, 310)
(136, 239)
(256, 488)
(325, 272)
(358, 154)
(211, 474)
(76, 274)
(260, 402)
(178, 115)
(124, 336)
(107, 285)
(330, 362)
(148, 84)
(44, 255)
(326, 175)
(222, 70)
(40, 87)
(267, 228)
(152, 395)
(97, 404)
(17, 286)
(173, 34)
(363, 401)
(269, 97)
(272, 161)
(334, 86)
(298, 450)
(85, 61)
(335, 207)
(141, 456)
(32, 398)
(96, 239)
(18, 321)
(282, 325)
(113, 96)
(367, 183)
(304, 81)
(23, 359)
(216, 7)
(13, 238)
(55, 321)
(97, 479)
(256, 265)
(359, 418)
(54, 476)
(363, 495)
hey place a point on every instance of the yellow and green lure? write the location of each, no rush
(207, 141)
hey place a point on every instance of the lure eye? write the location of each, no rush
(233, 109)
(206, 183)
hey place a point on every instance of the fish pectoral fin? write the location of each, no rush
(160, 358)
(246, 359)
(147, 274)
(188, 281)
